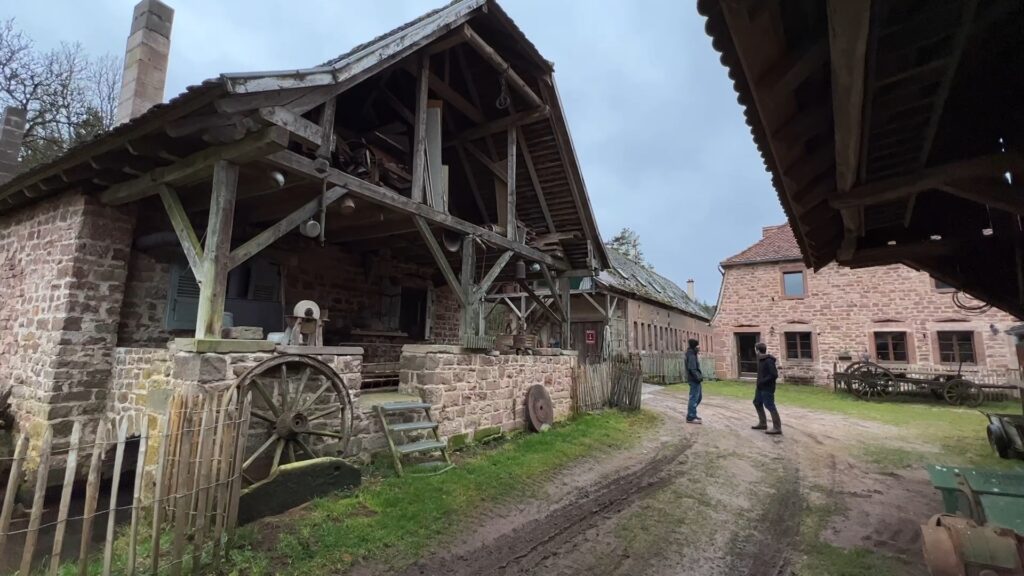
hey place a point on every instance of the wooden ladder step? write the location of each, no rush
(410, 426)
(400, 406)
(421, 446)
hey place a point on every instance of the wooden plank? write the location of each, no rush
(525, 285)
(992, 192)
(115, 484)
(213, 283)
(492, 274)
(162, 469)
(791, 71)
(301, 129)
(182, 228)
(500, 125)
(180, 497)
(13, 482)
(92, 493)
(239, 457)
(511, 225)
(498, 173)
(439, 257)
(205, 469)
(491, 56)
(454, 38)
(450, 95)
(419, 148)
(70, 467)
(38, 500)
(537, 188)
(397, 105)
(385, 197)
(604, 311)
(253, 146)
(472, 319)
(223, 449)
(140, 474)
(326, 144)
(471, 178)
(274, 233)
(566, 343)
(560, 304)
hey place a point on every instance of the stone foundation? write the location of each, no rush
(470, 391)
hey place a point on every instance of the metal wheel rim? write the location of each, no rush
(289, 419)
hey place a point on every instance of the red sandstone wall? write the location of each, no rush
(680, 328)
(62, 276)
(842, 308)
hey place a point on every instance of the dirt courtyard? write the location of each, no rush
(713, 499)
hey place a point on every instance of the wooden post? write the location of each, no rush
(510, 213)
(92, 492)
(566, 312)
(471, 317)
(419, 146)
(13, 480)
(216, 257)
(35, 518)
(140, 473)
(65, 497)
(108, 548)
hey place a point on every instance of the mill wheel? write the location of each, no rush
(961, 392)
(873, 382)
(300, 409)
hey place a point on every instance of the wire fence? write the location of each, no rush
(189, 499)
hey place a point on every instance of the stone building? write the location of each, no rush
(385, 186)
(892, 315)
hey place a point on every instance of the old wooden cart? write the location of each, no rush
(872, 381)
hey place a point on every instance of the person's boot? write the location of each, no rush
(762, 422)
(776, 423)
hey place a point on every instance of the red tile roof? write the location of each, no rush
(777, 244)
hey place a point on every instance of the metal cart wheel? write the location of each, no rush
(300, 409)
(873, 382)
(960, 392)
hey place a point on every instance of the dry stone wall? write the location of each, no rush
(471, 391)
(842, 309)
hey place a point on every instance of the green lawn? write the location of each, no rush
(394, 520)
(959, 433)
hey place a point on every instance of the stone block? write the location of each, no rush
(487, 434)
(459, 441)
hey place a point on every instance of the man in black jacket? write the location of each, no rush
(694, 378)
(764, 396)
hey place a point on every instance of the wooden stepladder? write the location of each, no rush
(398, 450)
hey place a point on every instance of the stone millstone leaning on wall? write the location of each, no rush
(471, 391)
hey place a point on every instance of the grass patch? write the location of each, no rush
(959, 433)
(823, 559)
(395, 519)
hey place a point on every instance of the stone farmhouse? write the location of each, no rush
(396, 186)
(810, 320)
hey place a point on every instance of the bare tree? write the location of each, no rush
(69, 96)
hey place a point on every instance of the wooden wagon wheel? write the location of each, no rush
(300, 409)
(960, 392)
(850, 381)
(873, 381)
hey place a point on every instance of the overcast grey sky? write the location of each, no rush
(654, 118)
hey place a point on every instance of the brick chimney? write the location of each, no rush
(11, 132)
(145, 59)
(689, 289)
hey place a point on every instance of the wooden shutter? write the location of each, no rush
(182, 299)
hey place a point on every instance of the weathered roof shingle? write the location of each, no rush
(776, 245)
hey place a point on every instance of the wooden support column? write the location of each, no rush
(216, 256)
(472, 318)
(183, 228)
(510, 224)
(419, 147)
(566, 313)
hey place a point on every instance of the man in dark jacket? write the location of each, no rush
(695, 378)
(764, 396)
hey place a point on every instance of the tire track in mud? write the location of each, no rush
(518, 551)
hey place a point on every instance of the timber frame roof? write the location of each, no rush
(239, 117)
(634, 280)
(892, 129)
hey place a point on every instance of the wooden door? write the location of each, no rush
(747, 353)
(588, 340)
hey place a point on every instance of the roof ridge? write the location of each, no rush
(776, 244)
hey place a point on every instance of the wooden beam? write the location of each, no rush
(383, 196)
(326, 144)
(969, 7)
(500, 125)
(494, 59)
(471, 178)
(498, 173)
(454, 38)
(255, 145)
(512, 307)
(793, 69)
(272, 234)
(525, 285)
(183, 228)
(472, 319)
(883, 255)
(849, 24)
(303, 130)
(537, 189)
(990, 166)
(397, 105)
(492, 274)
(553, 288)
(993, 192)
(511, 226)
(449, 95)
(419, 148)
(440, 259)
(594, 303)
(213, 285)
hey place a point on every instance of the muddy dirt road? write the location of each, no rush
(713, 499)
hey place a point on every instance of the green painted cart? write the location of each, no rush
(985, 496)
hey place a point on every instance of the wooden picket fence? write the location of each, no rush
(670, 367)
(614, 383)
(192, 502)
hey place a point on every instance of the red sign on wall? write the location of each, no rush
(591, 337)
